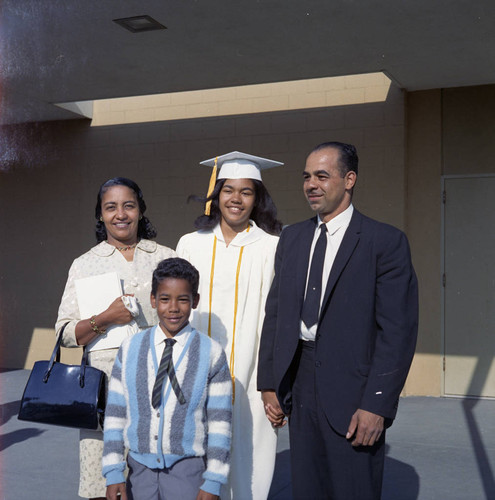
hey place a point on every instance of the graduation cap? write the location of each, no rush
(236, 165)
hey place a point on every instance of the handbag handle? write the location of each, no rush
(55, 357)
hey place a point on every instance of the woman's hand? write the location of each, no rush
(272, 409)
(115, 314)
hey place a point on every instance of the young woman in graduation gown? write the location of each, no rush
(234, 250)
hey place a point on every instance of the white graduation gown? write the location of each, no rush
(254, 440)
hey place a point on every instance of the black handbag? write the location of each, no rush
(66, 395)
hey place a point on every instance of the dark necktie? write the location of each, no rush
(311, 306)
(166, 366)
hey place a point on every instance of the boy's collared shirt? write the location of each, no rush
(180, 337)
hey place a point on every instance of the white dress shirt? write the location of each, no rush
(180, 338)
(336, 229)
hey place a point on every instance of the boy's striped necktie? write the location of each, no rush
(166, 366)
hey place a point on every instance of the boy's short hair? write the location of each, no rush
(178, 268)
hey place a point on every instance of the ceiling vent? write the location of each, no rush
(137, 24)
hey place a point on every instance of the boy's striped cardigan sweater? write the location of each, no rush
(159, 438)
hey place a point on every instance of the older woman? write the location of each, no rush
(234, 252)
(124, 237)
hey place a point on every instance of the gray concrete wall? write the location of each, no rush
(468, 130)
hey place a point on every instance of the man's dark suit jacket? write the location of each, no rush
(368, 321)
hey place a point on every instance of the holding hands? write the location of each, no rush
(272, 409)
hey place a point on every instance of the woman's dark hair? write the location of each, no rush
(177, 268)
(145, 228)
(264, 211)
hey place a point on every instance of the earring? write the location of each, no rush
(101, 219)
(140, 217)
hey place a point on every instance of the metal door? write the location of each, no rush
(469, 286)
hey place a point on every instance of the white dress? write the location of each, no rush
(249, 261)
(136, 278)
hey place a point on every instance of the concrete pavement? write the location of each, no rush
(438, 449)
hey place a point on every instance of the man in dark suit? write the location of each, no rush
(339, 335)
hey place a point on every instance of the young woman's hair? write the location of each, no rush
(145, 228)
(264, 211)
(177, 268)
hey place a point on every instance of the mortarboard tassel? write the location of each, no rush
(211, 187)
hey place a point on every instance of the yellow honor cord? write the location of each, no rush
(211, 187)
(212, 272)
(236, 295)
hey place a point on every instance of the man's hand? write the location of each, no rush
(202, 495)
(365, 428)
(272, 409)
(114, 489)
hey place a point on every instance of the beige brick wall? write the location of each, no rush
(48, 188)
(424, 156)
(50, 174)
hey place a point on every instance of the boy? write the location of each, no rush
(170, 405)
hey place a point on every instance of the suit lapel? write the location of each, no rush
(344, 253)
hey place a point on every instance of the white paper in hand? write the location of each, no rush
(94, 295)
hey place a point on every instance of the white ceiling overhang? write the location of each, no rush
(65, 51)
